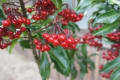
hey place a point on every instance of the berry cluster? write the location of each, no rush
(39, 46)
(91, 29)
(114, 36)
(4, 32)
(43, 8)
(61, 40)
(105, 75)
(15, 17)
(69, 15)
(16, 22)
(91, 40)
(117, 46)
(110, 55)
(4, 45)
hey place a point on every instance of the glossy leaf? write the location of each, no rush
(74, 25)
(2, 16)
(58, 3)
(107, 17)
(25, 44)
(61, 60)
(111, 65)
(107, 28)
(44, 67)
(114, 2)
(116, 74)
(84, 50)
(73, 72)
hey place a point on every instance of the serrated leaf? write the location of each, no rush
(107, 17)
(111, 65)
(107, 28)
(44, 67)
(25, 43)
(58, 3)
(61, 60)
(116, 74)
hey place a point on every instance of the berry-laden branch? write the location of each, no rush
(29, 33)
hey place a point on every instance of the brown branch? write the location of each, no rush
(23, 8)
(29, 34)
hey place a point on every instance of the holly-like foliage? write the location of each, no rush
(48, 28)
(104, 33)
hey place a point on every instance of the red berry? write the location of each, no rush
(64, 45)
(20, 20)
(23, 29)
(29, 10)
(69, 41)
(50, 39)
(28, 22)
(38, 47)
(101, 67)
(45, 35)
(81, 15)
(55, 42)
(36, 41)
(46, 48)
(6, 23)
(61, 37)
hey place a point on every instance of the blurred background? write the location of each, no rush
(20, 64)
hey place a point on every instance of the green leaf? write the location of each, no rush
(61, 60)
(114, 2)
(74, 25)
(73, 72)
(2, 15)
(78, 1)
(10, 48)
(91, 64)
(58, 3)
(107, 41)
(111, 65)
(25, 44)
(44, 67)
(116, 74)
(3, 1)
(12, 28)
(83, 66)
(85, 3)
(84, 50)
(107, 28)
(107, 17)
